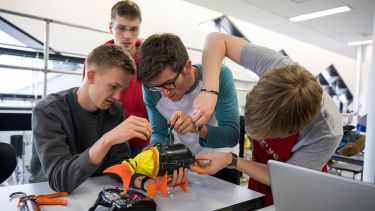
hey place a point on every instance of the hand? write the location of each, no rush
(178, 176)
(216, 161)
(183, 124)
(132, 127)
(204, 105)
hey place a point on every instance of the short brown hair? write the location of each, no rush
(282, 103)
(158, 52)
(108, 56)
(127, 9)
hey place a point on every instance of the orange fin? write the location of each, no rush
(160, 184)
(198, 169)
(184, 185)
(123, 171)
(151, 189)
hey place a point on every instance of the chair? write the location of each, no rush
(8, 161)
(19, 145)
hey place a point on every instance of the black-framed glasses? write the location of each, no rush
(122, 29)
(170, 84)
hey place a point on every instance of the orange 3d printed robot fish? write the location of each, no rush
(157, 162)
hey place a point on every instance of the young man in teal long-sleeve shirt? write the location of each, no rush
(170, 85)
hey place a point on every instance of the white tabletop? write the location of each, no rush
(204, 193)
(269, 208)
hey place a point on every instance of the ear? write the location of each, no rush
(91, 73)
(188, 66)
(110, 26)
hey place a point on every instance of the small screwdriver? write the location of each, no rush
(170, 130)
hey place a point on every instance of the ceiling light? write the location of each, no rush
(364, 42)
(320, 14)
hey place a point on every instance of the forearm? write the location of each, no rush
(67, 174)
(255, 170)
(227, 131)
(216, 47)
(98, 151)
(212, 57)
(117, 154)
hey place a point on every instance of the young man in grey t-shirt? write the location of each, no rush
(286, 103)
(79, 132)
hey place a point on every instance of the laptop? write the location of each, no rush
(297, 188)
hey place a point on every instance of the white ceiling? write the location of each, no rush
(330, 32)
(349, 26)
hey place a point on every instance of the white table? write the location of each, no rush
(269, 208)
(204, 193)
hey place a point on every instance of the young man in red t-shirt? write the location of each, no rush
(125, 27)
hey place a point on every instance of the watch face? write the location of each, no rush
(233, 165)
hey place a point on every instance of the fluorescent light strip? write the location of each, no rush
(320, 14)
(364, 42)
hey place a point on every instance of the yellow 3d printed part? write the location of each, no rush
(145, 163)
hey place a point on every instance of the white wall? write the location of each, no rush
(364, 75)
(369, 157)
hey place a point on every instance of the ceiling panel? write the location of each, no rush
(330, 32)
(290, 8)
(345, 27)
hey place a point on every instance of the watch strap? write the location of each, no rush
(233, 164)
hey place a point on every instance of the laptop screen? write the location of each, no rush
(297, 188)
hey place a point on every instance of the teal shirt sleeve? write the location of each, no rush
(158, 123)
(227, 133)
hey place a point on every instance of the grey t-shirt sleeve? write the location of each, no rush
(318, 140)
(64, 171)
(260, 59)
(315, 155)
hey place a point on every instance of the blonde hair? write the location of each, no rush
(282, 103)
(108, 56)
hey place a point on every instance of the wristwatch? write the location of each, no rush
(233, 164)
